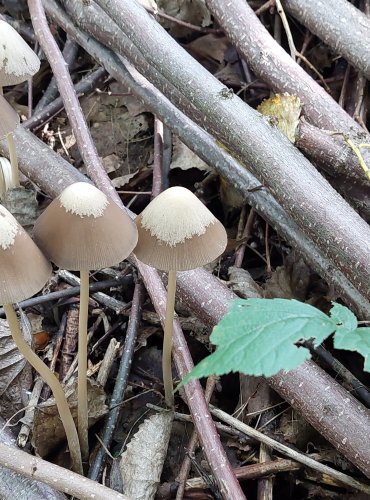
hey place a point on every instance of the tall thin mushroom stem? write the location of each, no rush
(13, 160)
(82, 410)
(52, 381)
(167, 339)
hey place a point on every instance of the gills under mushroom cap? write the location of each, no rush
(83, 229)
(24, 269)
(9, 118)
(177, 232)
(18, 62)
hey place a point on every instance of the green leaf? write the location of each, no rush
(355, 340)
(257, 337)
(343, 317)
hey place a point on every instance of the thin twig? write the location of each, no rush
(66, 293)
(183, 474)
(85, 85)
(289, 452)
(121, 382)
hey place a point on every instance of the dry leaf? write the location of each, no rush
(278, 286)
(142, 462)
(149, 4)
(12, 361)
(48, 431)
(210, 46)
(242, 283)
(184, 158)
(121, 181)
(15, 376)
(191, 11)
(23, 205)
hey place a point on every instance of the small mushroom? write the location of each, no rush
(24, 271)
(18, 62)
(8, 123)
(82, 230)
(177, 233)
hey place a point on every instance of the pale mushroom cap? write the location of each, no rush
(9, 119)
(24, 269)
(83, 229)
(177, 232)
(18, 62)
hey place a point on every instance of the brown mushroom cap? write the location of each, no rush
(83, 229)
(18, 62)
(24, 269)
(9, 120)
(177, 232)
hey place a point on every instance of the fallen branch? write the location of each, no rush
(207, 149)
(339, 24)
(57, 477)
(273, 65)
(311, 202)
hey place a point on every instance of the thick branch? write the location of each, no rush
(55, 476)
(273, 65)
(207, 149)
(318, 210)
(340, 25)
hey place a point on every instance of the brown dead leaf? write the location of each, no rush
(184, 158)
(210, 46)
(278, 286)
(242, 283)
(15, 373)
(142, 462)
(191, 11)
(48, 431)
(23, 205)
(11, 360)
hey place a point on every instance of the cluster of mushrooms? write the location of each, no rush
(84, 230)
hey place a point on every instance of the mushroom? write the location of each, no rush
(24, 271)
(82, 230)
(177, 233)
(18, 62)
(8, 123)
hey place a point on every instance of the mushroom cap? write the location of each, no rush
(18, 62)
(83, 229)
(24, 269)
(9, 118)
(177, 232)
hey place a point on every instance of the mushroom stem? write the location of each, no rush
(167, 339)
(13, 160)
(82, 366)
(52, 381)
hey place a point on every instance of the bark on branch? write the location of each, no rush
(339, 24)
(317, 209)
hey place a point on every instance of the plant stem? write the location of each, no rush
(13, 160)
(52, 381)
(167, 339)
(82, 410)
